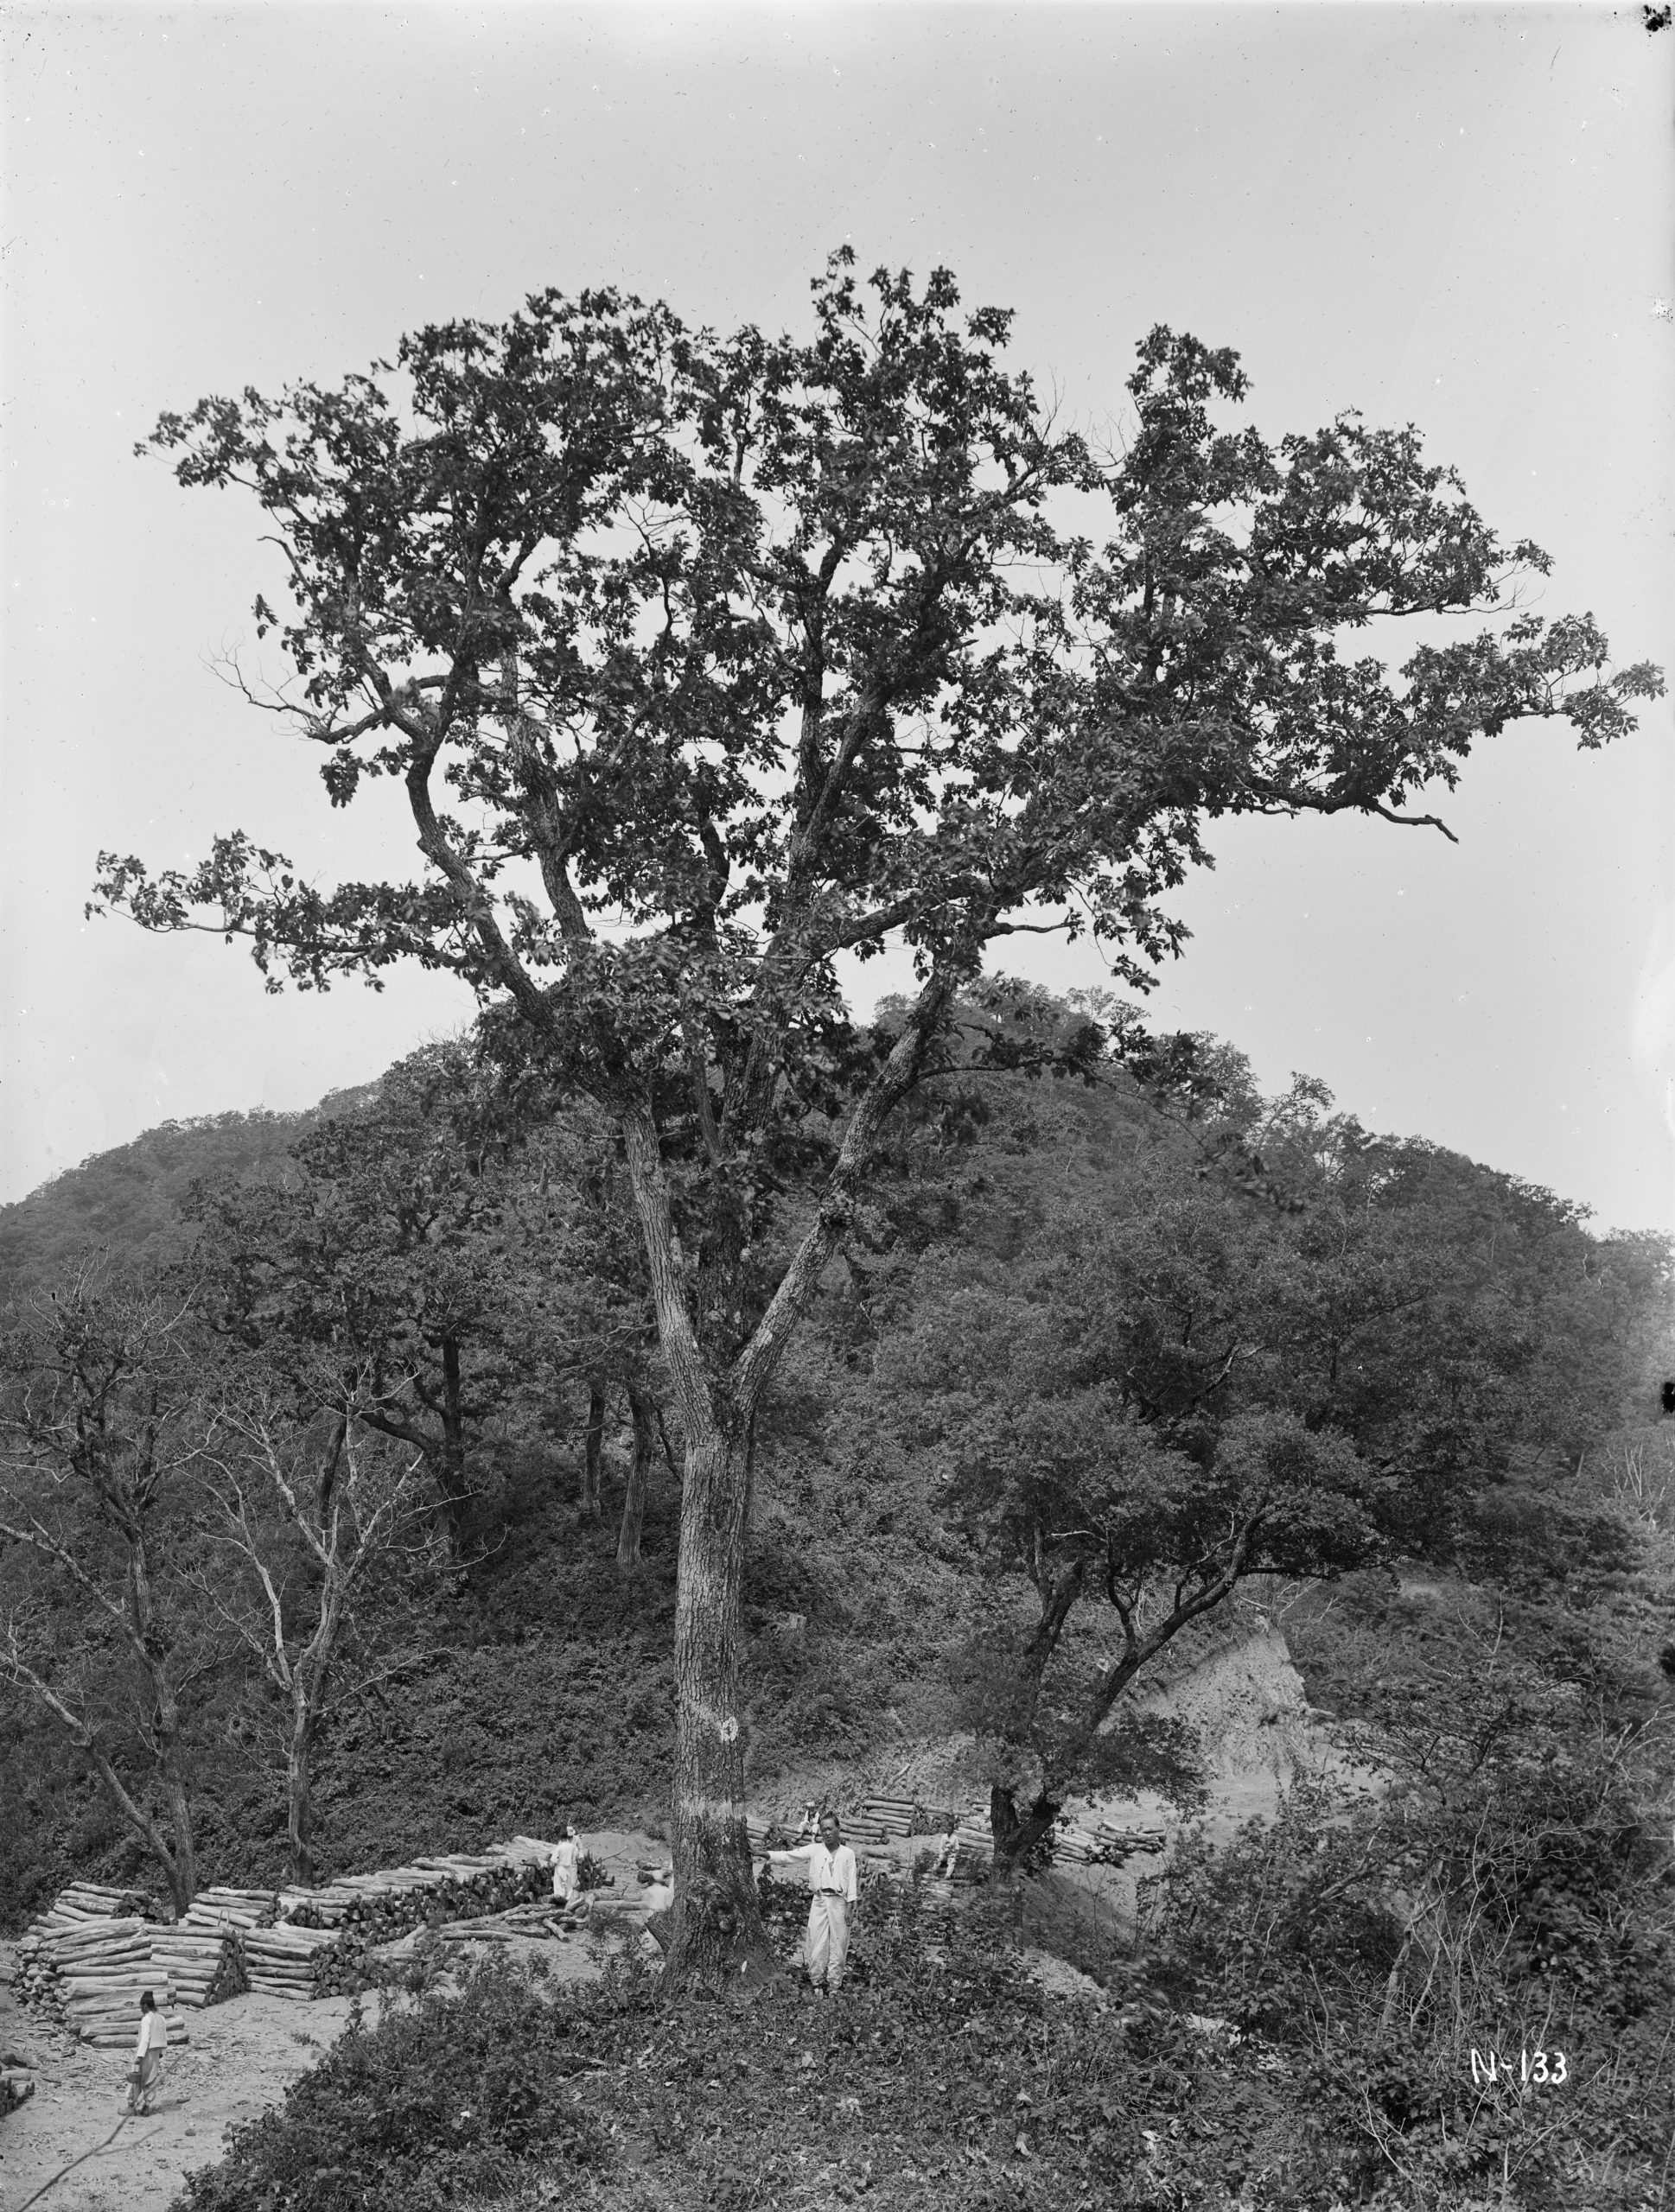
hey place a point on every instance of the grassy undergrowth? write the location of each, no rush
(945, 2080)
(956, 2085)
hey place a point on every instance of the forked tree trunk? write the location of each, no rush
(1014, 1834)
(640, 1474)
(594, 1450)
(717, 1934)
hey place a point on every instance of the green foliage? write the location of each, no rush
(439, 2103)
(1151, 1339)
(958, 2087)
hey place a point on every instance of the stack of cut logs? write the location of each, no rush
(286, 1962)
(85, 1965)
(883, 1819)
(1105, 1845)
(323, 1943)
(888, 1820)
(204, 1952)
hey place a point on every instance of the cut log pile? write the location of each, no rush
(1105, 1844)
(887, 1819)
(287, 1962)
(84, 1965)
(882, 1819)
(323, 1941)
(204, 1952)
(85, 1969)
(501, 1926)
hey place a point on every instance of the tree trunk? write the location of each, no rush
(182, 1867)
(1015, 1834)
(717, 1937)
(639, 1476)
(299, 1785)
(595, 1448)
(451, 1467)
(1058, 1601)
(181, 1876)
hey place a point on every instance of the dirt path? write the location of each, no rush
(241, 2057)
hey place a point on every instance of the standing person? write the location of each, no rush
(832, 1877)
(148, 2056)
(567, 1870)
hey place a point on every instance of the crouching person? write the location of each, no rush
(831, 1865)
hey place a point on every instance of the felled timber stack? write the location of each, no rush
(228, 1907)
(1104, 1845)
(324, 1941)
(883, 1819)
(284, 1961)
(84, 1965)
(205, 1965)
(95, 1901)
(1075, 1847)
(89, 1980)
(501, 1927)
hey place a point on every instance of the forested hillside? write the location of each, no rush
(340, 1502)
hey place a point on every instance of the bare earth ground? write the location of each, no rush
(1256, 1729)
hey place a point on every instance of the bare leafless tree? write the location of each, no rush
(340, 1502)
(98, 1430)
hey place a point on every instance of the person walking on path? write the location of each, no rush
(148, 2056)
(830, 1865)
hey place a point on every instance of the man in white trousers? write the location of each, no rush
(830, 1865)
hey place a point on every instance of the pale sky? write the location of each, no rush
(1455, 218)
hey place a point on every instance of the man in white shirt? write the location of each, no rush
(148, 2056)
(832, 1877)
(567, 1891)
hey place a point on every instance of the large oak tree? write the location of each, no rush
(704, 660)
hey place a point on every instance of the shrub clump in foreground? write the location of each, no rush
(449, 2098)
(952, 2085)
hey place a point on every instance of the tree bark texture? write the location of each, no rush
(593, 1451)
(181, 1866)
(644, 1414)
(299, 1792)
(455, 1480)
(716, 1936)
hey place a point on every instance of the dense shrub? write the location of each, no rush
(941, 2083)
(443, 2100)
(1414, 1957)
